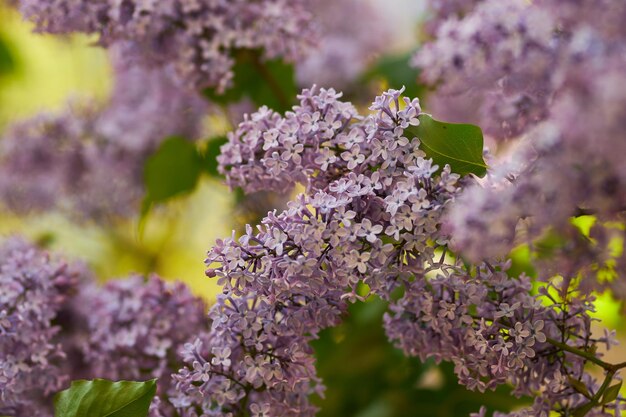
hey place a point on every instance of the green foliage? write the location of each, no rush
(549, 244)
(611, 393)
(395, 69)
(579, 386)
(367, 377)
(458, 145)
(211, 152)
(270, 83)
(7, 61)
(102, 398)
(521, 262)
(174, 169)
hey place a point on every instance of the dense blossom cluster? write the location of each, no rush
(373, 214)
(33, 290)
(136, 329)
(90, 158)
(500, 55)
(559, 64)
(494, 331)
(297, 270)
(199, 38)
(56, 324)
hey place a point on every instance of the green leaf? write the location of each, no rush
(397, 71)
(579, 386)
(521, 262)
(102, 398)
(611, 393)
(172, 170)
(458, 145)
(211, 152)
(583, 410)
(7, 62)
(271, 83)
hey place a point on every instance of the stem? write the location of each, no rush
(605, 385)
(612, 368)
(579, 352)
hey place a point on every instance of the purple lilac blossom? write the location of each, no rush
(579, 155)
(33, 290)
(495, 332)
(372, 213)
(501, 55)
(135, 330)
(301, 265)
(346, 46)
(89, 159)
(199, 37)
(567, 159)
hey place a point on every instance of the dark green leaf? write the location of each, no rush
(102, 398)
(7, 62)
(211, 152)
(271, 83)
(583, 410)
(172, 170)
(397, 71)
(611, 393)
(458, 145)
(579, 386)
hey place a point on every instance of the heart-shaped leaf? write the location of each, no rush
(458, 145)
(102, 398)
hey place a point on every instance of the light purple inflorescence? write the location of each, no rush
(372, 213)
(33, 291)
(89, 159)
(197, 37)
(136, 329)
(546, 74)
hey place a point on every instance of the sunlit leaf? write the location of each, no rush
(102, 398)
(458, 145)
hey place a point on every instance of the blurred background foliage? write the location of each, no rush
(364, 374)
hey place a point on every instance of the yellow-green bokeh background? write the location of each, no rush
(50, 70)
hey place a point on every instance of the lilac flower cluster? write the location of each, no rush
(287, 281)
(345, 46)
(500, 55)
(495, 332)
(135, 330)
(570, 162)
(33, 291)
(90, 158)
(199, 38)
(56, 324)
(372, 214)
